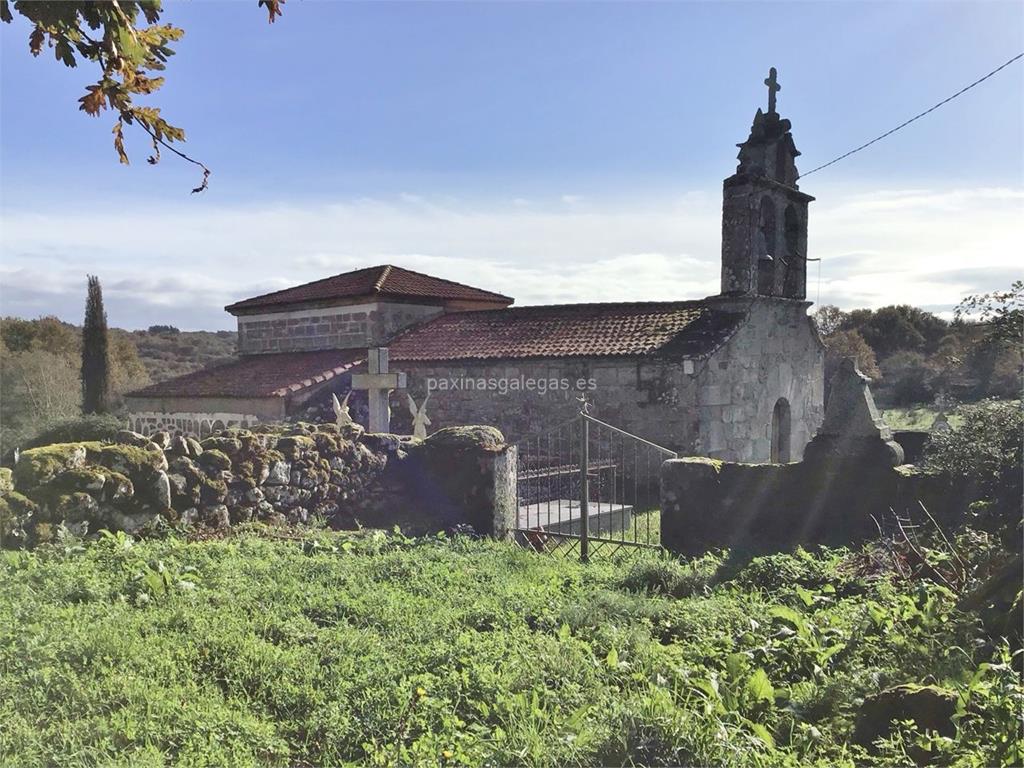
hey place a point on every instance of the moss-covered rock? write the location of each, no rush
(136, 439)
(58, 506)
(130, 460)
(212, 490)
(294, 446)
(37, 466)
(214, 459)
(472, 438)
(16, 516)
(227, 445)
(87, 479)
(6, 480)
(117, 487)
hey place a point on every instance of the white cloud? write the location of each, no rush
(181, 265)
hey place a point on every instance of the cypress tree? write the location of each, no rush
(95, 352)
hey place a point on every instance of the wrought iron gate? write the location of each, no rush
(586, 486)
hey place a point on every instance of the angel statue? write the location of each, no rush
(420, 422)
(341, 415)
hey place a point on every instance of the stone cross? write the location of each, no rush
(378, 383)
(773, 88)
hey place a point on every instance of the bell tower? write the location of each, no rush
(764, 214)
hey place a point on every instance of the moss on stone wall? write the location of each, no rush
(287, 475)
(40, 465)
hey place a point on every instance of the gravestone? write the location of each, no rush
(853, 430)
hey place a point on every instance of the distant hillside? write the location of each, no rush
(167, 352)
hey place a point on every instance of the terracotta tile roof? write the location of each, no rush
(275, 375)
(383, 281)
(685, 328)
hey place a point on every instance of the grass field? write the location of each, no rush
(368, 648)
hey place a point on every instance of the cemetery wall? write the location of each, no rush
(707, 504)
(458, 476)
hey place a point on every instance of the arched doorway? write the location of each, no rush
(781, 430)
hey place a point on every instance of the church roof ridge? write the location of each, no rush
(665, 303)
(379, 280)
(638, 328)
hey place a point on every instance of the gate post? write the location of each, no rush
(584, 488)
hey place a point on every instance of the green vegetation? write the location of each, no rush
(369, 648)
(170, 353)
(41, 384)
(915, 357)
(95, 352)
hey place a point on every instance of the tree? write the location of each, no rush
(901, 328)
(127, 52)
(95, 352)
(909, 378)
(843, 344)
(1001, 312)
(828, 319)
(998, 356)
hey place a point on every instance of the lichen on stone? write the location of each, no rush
(294, 446)
(40, 465)
(214, 459)
(473, 437)
(130, 460)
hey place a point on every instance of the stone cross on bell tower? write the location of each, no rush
(773, 88)
(764, 213)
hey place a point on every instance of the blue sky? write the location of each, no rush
(551, 151)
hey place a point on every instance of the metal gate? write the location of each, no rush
(585, 487)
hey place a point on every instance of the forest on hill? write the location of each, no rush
(40, 362)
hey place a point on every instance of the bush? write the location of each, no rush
(81, 430)
(670, 577)
(986, 449)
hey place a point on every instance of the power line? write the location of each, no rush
(915, 117)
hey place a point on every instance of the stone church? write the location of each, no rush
(737, 376)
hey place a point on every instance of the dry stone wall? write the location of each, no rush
(281, 476)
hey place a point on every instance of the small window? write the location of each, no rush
(781, 428)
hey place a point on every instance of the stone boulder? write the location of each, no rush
(929, 706)
(127, 437)
(467, 438)
(37, 466)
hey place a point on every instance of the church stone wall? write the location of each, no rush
(338, 327)
(775, 355)
(720, 407)
(653, 399)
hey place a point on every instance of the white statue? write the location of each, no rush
(420, 422)
(341, 415)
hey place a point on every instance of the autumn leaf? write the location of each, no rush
(273, 8)
(119, 142)
(94, 100)
(36, 40)
(111, 36)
